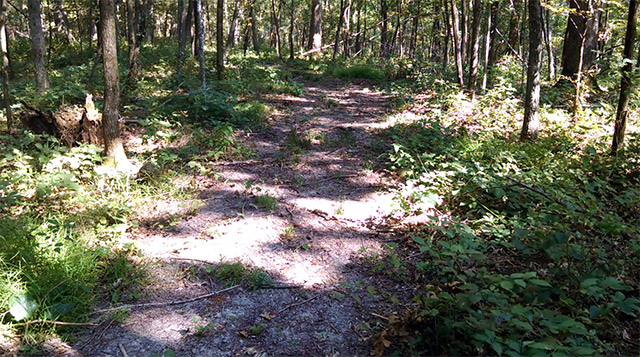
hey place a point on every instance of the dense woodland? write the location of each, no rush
(510, 141)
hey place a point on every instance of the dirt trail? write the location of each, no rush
(327, 204)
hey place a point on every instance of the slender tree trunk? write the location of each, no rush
(456, 42)
(531, 122)
(219, 38)
(315, 26)
(625, 85)
(132, 37)
(231, 39)
(276, 25)
(150, 29)
(110, 127)
(384, 41)
(487, 49)
(37, 40)
(495, 45)
(182, 35)
(254, 27)
(474, 47)
(464, 28)
(188, 27)
(5, 64)
(447, 24)
(358, 44)
(347, 29)
(549, 41)
(337, 38)
(291, 28)
(199, 16)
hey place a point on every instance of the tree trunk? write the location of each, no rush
(219, 37)
(464, 29)
(474, 47)
(276, 23)
(347, 29)
(625, 85)
(132, 37)
(494, 50)
(531, 122)
(315, 26)
(199, 16)
(5, 63)
(549, 41)
(358, 44)
(188, 28)
(150, 28)
(447, 24)
(336, 43)
(487, 48)
(291, 28)
(384, 41)
(254, 28)
(110, 127)
(182, 35)
(580, 37)
(37, 40)
(456, 43)
(231, 39)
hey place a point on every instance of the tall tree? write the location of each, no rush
(199, 17)
(231, 38)
(487, 45)
(456, 43)
(219, 39)
(291, 28)
(254, 26)
(110, 127)
(315, 26)
(37, 41)
(580, 40)
(474, 47)
(384, 31)
(132, 39)
(625, 86)
(531, 122)
(336, 43)
(5, 63)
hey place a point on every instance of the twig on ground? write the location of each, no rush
(170, 303)
(57, 323)
(295, 305)
(546, 195)
(94, 336)
(339, 177)
(124, 352)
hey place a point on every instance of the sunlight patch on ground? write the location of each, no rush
(374, 204)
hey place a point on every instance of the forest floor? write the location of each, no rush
(308, 208)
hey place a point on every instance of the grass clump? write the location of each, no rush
(266, 202)
(356, 71)
(238, 273)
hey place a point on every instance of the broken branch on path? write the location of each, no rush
(546, 195)
(170, 303)
(52, 322)
(295, 305)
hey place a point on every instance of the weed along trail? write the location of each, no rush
(283, 229)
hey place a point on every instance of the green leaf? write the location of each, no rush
(22, 306)
(540, 282)
(507, 285)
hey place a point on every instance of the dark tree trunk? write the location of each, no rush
(494, 50)
(347, 30)
(150, 28)
(336, 43)
(580, 41)
(110, 127)
(5, 63)
(625, 85)
(37, 40)
(254, 27)
(531, 122)
(456, 43)
(291, 28)
(474, 47)
(384, 31)
(231, 38)
(464, 28)
(219, 38)
(276, 26)
(188, 27)
(315, 26)
(199, 16)
(447, 24)
(551, 62)
(358, 44)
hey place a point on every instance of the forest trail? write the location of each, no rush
(304, 209)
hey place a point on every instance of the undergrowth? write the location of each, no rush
(526, 248)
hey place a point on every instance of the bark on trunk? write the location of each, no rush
(231, 38)
(199, 16)
(384, 42)
(531, 122)
(456, 43)
(474, 47)
(182, 35)
(580, 36)
(37, 41)
(315, 26)
(291, 27)
(551, 62)
(336, 43)
(625, 85)
(487, 49)
(110, 127)
(219, 38)
(134, 49)
(254, 28)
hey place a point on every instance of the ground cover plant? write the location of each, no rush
(525, 248)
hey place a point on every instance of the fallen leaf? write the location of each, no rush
(267, 316)
(244, 334)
